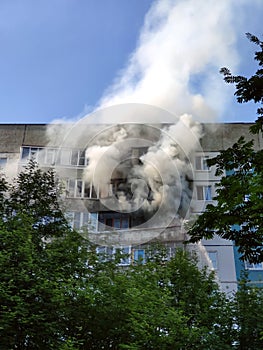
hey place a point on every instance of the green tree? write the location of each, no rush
(238, 212)
(42, 263)
(58, 292)
(164, 305)
(248, 313)
(250, 89)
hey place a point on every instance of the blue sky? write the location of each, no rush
(63, 58)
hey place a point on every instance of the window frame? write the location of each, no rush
(253, 266)
(68, 157)
(3, 162)
(115, 217)
(201, 163)
(211, 254)
(79, 188)
(77, 220)
(137, 259)
(202, 194)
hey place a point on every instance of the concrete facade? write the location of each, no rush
(99, 209)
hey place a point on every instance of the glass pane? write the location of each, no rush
(139, 255)
(117, 223)
(33, 153)
(51, 154)
(81, 158)
(93, 192)
(205, 166)
(74, 157)
(85, 220)
(70, 218)
(126, 259)
(101, 250)
(76, 220)
(258, 266)
(199, 192)
(3, 162)
(109, 222)
(79, 188)
(208, 195)
(198, 164)
(65, 157)
(25, 153)
(93, 222)
(213, 258)
(42, 156)
(125, 223)
(71, 188)
(87, 190)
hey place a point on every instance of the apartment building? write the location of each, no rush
(113, 185)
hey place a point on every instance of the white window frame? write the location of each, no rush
(253, 266)
(75, 188)
(213, 257)
(126, 250)
(78, 220)
(201, 163)
(136, 259)
(67, 155)
(59, 156)
(204, 192)
(111, 251)
(3, 162)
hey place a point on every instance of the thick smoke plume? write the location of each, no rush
(159, 181)
(175, 66)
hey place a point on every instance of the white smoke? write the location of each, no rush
(181, 48)
(103, 159)
(160, 182)
(165, 167)
(173, 72)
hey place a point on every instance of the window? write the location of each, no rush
(64, 157)
(40, 154)
(91, 221)
(114, 221)
(78, 157)
(253, 266)
(28, 153)
(3, 161)
(126, 259)
(124, 222)
(139, 256)
(52, 156)
(78, 188)
(170, 252)
(78, 220)
(201, 163)
(204, 193)
(107, 252)
(213, 258)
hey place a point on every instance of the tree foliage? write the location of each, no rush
(58, 292)
(250, 89)
(238, 212)
(42, 262)
(248, 312)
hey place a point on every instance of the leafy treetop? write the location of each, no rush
(250, 89)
